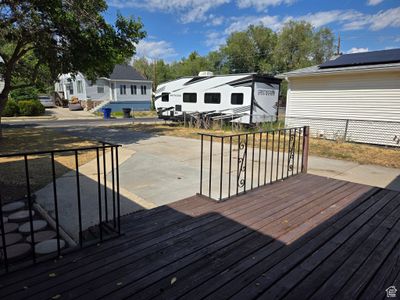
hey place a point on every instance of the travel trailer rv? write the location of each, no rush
(244, 98)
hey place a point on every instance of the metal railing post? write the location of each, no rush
(28, 190)
(3, 235)
(306, 142)
(53, 169)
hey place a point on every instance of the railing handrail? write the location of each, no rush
(253, 156)
(247, 133)
(41, 152)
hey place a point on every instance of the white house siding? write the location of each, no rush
(1, 85)
(91, 90)
(374, 97)
(133, 97)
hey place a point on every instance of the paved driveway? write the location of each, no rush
(164, 169)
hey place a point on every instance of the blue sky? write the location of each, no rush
(177, 27)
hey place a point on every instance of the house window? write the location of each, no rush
(79, 86)
(190, 97)
(165, 97)
(100, 88)
(122, 89)
(133, 90)
(237, 99)
(143, 89)
(212, 98)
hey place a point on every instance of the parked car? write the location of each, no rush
(46, 101)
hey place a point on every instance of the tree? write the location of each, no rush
(299, 46)
(251, 50)
(40, 39)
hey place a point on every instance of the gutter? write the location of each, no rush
(338, 71)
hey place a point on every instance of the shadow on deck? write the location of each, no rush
(304, 237)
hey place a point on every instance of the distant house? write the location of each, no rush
(125, 87)
(354, 96)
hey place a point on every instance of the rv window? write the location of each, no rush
(237, 99)
(164, 97)
(212, 98)
(190, 97)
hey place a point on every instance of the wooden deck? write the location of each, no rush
(307, 237)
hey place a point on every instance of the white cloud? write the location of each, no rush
(356, 50)
(374, 2)
(387, 18)
(241, 23)
(215, 20)
(215, 39)
(261, 4)
(188, 10)
(155, 49)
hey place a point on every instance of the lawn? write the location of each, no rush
(12, 170)
(360, 153)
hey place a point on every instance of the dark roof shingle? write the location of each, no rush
(126, 72)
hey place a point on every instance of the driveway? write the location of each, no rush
(165, 169)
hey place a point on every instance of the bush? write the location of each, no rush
(30, 108)
(11, 109)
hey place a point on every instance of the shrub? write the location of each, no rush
(11, 109)
(30, 108)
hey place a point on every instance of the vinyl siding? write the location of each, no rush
(372, 96)
(370, 101)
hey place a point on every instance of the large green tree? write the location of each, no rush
(299, 45)
(251, 50)
(40, 39)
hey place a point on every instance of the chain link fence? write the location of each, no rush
(385, 133)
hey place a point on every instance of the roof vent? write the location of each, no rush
(206, 74)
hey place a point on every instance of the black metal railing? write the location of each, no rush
(87, 231)
(233, 164)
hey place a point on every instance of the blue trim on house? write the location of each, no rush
(117, 106)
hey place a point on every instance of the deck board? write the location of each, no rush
(304, 237)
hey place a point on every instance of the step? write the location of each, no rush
(20, 216)
(37, 225)
(41, 236)
(49, 246)
(13, 206)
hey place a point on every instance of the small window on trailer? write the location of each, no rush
(165, 97)
(237, 98)
(190, 97)
(212, 98)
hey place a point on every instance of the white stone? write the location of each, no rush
(13, 206)
(20, 216)
(48, 246)
(37, 225)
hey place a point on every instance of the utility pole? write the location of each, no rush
(338, 45)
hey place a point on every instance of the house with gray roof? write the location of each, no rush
(125, 87)
(352, 96)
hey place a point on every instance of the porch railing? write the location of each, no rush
(234, 164)
(95, 183)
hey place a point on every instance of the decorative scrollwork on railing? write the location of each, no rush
(292, 149)
(242, 166)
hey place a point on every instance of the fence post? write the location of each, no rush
(306, 143)
(345, 130)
